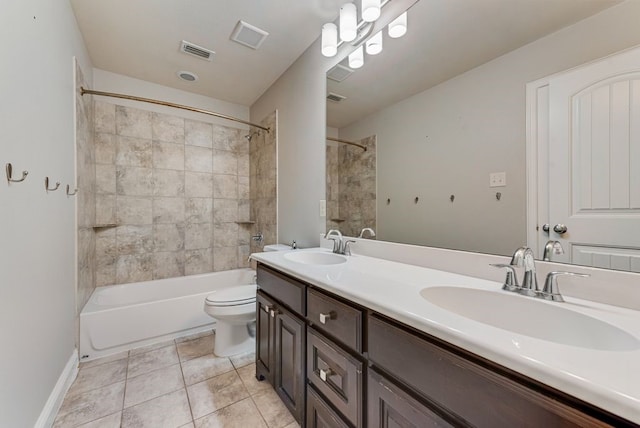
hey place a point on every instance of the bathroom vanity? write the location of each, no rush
(351, 343)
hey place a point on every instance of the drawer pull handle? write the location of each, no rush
(266, 308)
(274, 312)
(324, 317)
(324, 374)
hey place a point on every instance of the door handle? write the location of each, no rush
(545, 227)
(560, 228)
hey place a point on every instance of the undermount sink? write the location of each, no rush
(531, 317)
(315, 258)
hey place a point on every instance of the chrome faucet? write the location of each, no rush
(337, 242)
(551, 247)
(523, 256)
(368, 230)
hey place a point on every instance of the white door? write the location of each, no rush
(593, 125)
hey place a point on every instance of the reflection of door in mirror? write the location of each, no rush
(591, 116)
(351, 186)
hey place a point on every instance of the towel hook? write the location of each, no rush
(9, 170)
(46, 185)
(74, 191)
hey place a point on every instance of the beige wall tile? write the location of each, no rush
(168, 210)
(105, 179)
(198, 236)
(168, 183)
(244, 191)
(134, 268)
(168, 237)
(225, 235)
(198, 184)
(244, 234)
(244, 251)
(198, 133)
(133, 181)
(199, 210)
(168, 156)
(134, 210)
(168, 264)
(244, 210)
(223, 137)
(104, 119)
(133, 152)
(132, 122)
(105, 209)
(225, 186)
(225, 162)
(105, 148)
(243, 165)
(167, 128)
(198, 159)
(225, 210)
(134, 239)
(225, 258)
(198, 261)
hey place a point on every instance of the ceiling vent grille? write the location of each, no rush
(248, 35)
(335, 97)
(195, 50)
(339, 73)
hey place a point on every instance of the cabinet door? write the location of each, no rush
(289, 362)
(389, 406)
(265, 346)
(319, 414)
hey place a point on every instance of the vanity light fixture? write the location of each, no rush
(356, 58)
(398, 27)
(374, 44)
(370, 10)
(329, 39)
(348, 22)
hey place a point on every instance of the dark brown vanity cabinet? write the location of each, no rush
(281, 341)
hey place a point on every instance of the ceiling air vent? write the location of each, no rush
(339, 73)
(195, 50)
(248, 35)
(335, 97)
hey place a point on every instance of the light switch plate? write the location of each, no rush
(497, 179)
(323, 208)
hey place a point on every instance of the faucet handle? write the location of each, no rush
(511, 281)
(347, 249)
(551, 291)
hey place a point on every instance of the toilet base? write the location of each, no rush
(232, 339)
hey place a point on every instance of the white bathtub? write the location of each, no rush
(121, 317)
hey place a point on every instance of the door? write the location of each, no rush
(590, 119)
(289, 366)
(265, 356)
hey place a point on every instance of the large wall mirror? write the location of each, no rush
(442, 113)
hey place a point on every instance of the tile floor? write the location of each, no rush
(173, 384)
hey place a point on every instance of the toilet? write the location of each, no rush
(234, 308)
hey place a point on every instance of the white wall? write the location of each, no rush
(37, 230)
(118, 83)
(448, 139)
(299, 96)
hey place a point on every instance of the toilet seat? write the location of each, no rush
(232, 296)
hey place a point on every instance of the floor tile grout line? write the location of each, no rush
(259, 412)
(184, 382)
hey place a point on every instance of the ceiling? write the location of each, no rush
(445, 38)
(141, 39)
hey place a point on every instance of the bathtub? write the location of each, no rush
(121, 317)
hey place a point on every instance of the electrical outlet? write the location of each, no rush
(323, 208)
(497, 179)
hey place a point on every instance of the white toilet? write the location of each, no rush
(234, 308)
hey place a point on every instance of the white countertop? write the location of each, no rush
(607, 379)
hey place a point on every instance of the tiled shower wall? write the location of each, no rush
(170, 193)
(263, 182)
(86, 196)
(351, 187)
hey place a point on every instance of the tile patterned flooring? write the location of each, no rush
(174, 384)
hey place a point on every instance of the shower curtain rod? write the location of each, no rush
(338, 140)
(168, 104)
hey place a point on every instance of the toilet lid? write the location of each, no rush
(232, 296)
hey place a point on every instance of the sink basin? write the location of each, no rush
(315, 258)
(530, 317)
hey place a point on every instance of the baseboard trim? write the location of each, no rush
(51, 407)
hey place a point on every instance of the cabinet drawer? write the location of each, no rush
(337, 319)
(319, 414)
(389, 406)
(478, 396)
(336, 374)
(286, 290)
